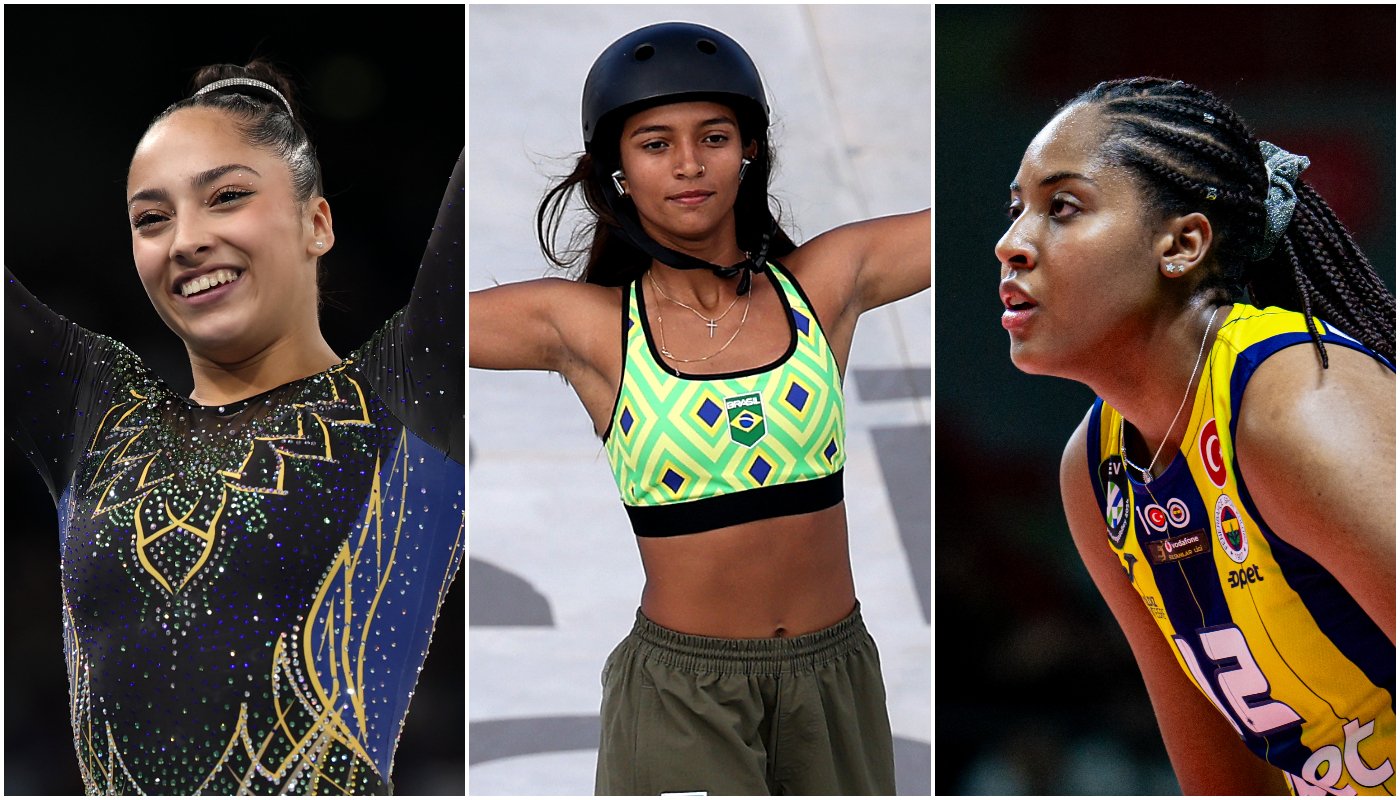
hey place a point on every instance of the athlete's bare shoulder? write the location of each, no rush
(1317, 450)
(544, 324)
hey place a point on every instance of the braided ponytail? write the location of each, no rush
(1192, 153)
(1319, 266)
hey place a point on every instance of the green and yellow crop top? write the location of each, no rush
(693, 453)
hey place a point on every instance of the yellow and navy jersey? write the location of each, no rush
(1265, 632)
(692, 453)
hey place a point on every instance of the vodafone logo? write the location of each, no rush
(1171, 545)
(1211, 455)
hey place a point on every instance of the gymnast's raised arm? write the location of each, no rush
(417, 356)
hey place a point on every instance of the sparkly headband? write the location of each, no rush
(1283, 169)
(219, 84)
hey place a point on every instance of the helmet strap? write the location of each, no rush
(630, 229)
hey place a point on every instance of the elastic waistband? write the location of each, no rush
(749, 656)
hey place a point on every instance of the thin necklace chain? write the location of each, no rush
(667, 353)
(1122, 423)
(710, 322)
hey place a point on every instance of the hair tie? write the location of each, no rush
(219, 84)
(1283, 169)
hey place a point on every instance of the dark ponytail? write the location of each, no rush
(607, 258)
(1192, 153)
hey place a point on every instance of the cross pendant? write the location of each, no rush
(711, 324)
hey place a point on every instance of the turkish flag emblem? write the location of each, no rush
(1211, 455)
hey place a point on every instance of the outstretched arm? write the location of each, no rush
(416, 359)
(890, 258)
(517, 326)
(894, 258)
(435, 308)
(52, 370)
(574, 329)
(1206, 754)
(855, 268)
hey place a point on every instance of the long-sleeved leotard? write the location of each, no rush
(249, 589)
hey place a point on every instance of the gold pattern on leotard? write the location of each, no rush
(315, 740)
(205, 536)
(173, 539)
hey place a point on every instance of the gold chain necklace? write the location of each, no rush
(661, 328)
(710, 322)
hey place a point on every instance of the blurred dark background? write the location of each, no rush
(384, 96)
(1036, 691)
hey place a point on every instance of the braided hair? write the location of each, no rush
(1192, 153)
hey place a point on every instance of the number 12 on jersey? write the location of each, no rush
(1246, 690)
(1241, 681)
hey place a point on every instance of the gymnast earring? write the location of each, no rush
(743, 167)
(618, 178)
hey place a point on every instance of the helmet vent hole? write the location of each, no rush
(706, 46)
(644, 52)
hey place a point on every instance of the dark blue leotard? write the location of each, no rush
(249, 590)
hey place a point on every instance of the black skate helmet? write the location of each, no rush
(674, 62)
(669, 63)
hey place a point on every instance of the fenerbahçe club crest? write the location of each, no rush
(746, 426)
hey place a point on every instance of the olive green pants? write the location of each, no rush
(800, 715)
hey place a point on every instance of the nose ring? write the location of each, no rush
(702, 170)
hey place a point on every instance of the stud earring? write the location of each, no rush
(1175, 269)
(618, 178)
(320, 244)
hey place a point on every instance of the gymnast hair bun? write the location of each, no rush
(258, 70)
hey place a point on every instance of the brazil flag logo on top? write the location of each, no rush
(746, 425)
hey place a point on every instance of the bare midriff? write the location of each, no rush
(784, 576)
